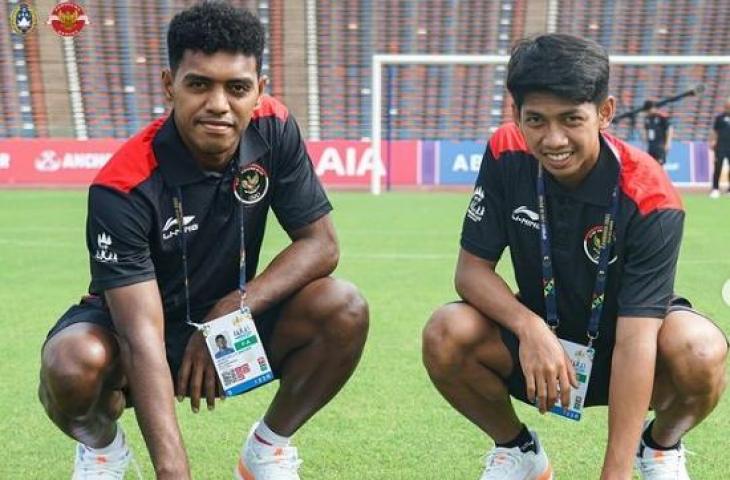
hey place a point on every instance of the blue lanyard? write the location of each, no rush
(178, 206)
(548, 278)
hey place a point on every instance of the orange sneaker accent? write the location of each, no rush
(101, 459)
(244, 472)
(547, 474)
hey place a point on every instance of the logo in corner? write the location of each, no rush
(251, 184)
(23, 19)
(592, 243)
(104, 253)
(476, 210)
(67, 19)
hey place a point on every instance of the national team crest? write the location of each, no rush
(68, 19)
(251, 184)
(592, 243)
(23, 19)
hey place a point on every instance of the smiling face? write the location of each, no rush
(562, 135)
(213, 97)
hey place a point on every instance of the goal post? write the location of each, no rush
(382, 61)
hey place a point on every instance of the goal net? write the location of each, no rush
(450, 104)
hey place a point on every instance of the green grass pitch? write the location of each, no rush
(388, 422)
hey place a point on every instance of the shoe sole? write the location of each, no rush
(243, 473)
(547, 474)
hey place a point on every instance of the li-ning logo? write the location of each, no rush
(104, 254)
(171, 227)
(476, 210)
(526, 217)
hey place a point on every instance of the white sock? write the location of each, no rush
(116, 445)
(264, 435)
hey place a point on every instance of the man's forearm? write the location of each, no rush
(300, 263)
(480, 286)
(152, 392)
(632, 377)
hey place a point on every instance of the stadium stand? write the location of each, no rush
(649, 27)
(119, 57)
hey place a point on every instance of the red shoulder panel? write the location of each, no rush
(507, 138)
(133, 163)
(270, 107)
(643, 180)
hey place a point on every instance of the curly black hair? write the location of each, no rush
(214, 26)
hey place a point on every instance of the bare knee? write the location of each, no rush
(449, 339)
(346, 315)
(74, 367)
(695, 356)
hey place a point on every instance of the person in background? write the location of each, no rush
(720, 145)
(658, 132)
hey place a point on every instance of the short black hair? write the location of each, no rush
(566, 66)
(649, 104)
(222, 337)
(215, 26)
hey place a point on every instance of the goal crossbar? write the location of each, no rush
(382, 60)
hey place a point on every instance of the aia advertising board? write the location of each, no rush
(339, 163)
(56, 162)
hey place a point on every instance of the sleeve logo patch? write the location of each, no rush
(104, 253)
(476, 210)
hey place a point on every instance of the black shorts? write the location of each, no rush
(92, 310)
(600, 374)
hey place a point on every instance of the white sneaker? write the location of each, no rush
(263, 462)
(715, 194)
(91, 466)
(661, 464)
(514, 464)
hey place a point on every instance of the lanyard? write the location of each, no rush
(548, 278)
(178, 206)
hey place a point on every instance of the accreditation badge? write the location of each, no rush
(237, 352)
(582, 358)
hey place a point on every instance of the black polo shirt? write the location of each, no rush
(503, 212)
(132, 230)
(721, 126)
(656, 126)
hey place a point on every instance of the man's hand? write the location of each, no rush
(546, 367)
(197, 374)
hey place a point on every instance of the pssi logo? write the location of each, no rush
(592, 243)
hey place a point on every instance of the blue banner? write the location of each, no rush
(678, 165)
(459, 162)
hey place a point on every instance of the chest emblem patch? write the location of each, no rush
(251, 184)
(592, 244)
